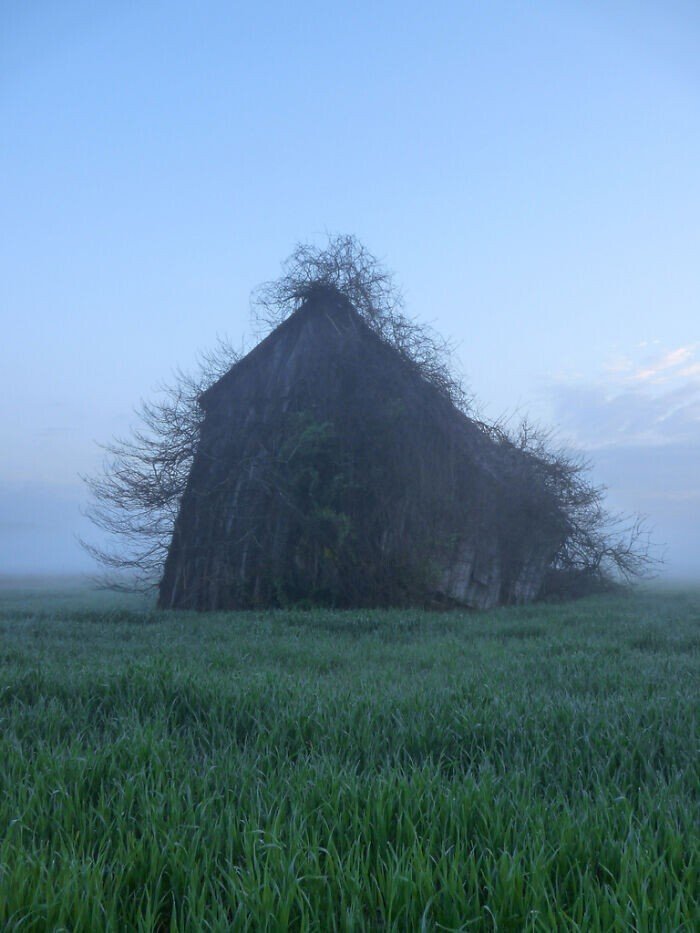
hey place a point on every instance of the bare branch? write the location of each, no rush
(345, 265)
(136, 496)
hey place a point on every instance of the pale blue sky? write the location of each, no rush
(531, 171)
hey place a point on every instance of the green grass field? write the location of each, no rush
(524, 769)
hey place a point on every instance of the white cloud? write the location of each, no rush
(640, 421)
(667, 366)
(652, 402)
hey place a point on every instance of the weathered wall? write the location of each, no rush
(421, 487)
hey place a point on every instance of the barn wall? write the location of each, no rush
(419, 485)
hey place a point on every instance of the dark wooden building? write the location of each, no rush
(330, 470)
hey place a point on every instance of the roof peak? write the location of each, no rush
(317, 292)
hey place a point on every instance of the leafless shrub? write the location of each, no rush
(600, 548)
(136, 496)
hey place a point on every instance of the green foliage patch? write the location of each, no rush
(532, 768)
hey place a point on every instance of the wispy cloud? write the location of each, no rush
(672, 365)
(640, 421)
(653, 401)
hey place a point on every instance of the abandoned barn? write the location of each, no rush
(329, 470)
